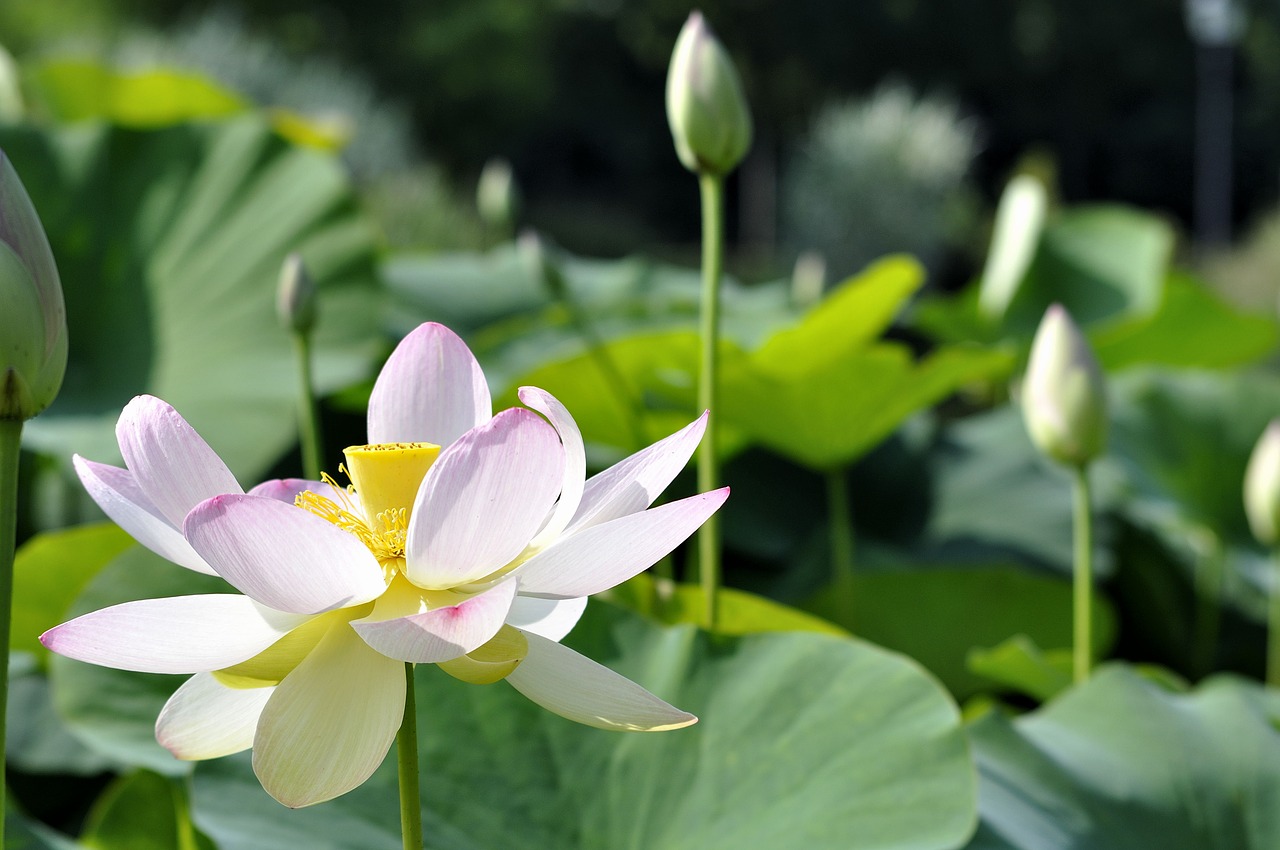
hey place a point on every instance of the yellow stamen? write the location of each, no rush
(493, 662)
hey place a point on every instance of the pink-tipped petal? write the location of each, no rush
(605, 555)
(179, 634)
(287, 489)
(118, 494)
(330, 722)
(171, 463)
(551, 618)
(283, 556)
(632, 484)
(441, 634)
(483, 500)
(575, 461)
(431, 390)
(204, 719)
(575, 687)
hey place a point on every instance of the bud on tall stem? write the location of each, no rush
(1063, 395)
(709, 118)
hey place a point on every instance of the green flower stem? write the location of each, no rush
(182, 815)
(1273, 623)
(712, 187)
(1083, 576)
(407, 758)
(1209, 574)
(841, 528)
(10, 448)
(308, 412)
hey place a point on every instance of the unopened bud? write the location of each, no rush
(33, 318)
(1019, 220)
(1262, 486)
(497, 195)
(709, 118)
(296, 296)
(1063, 394)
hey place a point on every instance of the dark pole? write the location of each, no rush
(1213, 168)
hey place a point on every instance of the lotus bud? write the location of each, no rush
(1262, 486)
(33, 318)
(540, 265)
(497, 195)
(296, 296)
(1063, 395)
(1019, 221)
(709, 118)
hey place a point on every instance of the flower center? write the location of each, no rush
(376, 506)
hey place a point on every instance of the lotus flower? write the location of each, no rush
(477, 556)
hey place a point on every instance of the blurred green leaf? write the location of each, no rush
(140, 811)
(1121, 763)
(24, 833)
(114, 711)
(804, 740)
(77, 90)
(169, 243)
(737, 613)
(49, 571)
(36, 740)
(937, 616)
(1020, 665)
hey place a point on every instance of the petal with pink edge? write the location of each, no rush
(398, 630)
(117, 493)
(605, 555)
(179, 634)
(575, 461)
(283, 556)
(171, 463)
(330, 722)
(575, 687)
(551, 618)
(483, 500)
(205, 719)
(287, 489)
(431, 390)
(632, 484)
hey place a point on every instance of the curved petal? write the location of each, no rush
(551, 618)
(287, 489)
(483, 500)
(575, 462)
(180, 634)
(171, 463)
(205, 719)
(631, 484)
(398, 630)
(605, 555)
(283, 556)
(575, 687)
(431, 390)
(330, 722)
(118, 494)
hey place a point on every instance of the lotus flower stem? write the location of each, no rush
(407, 758)
(182, 814)
(712, 187)
(841, 528)
(1208, 623)
(1083, 575)
(308, 412)
(10, 443)
(1273, 623)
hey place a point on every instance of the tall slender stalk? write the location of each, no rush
(1083, 575)
(407, 760)
(712, 188)
(1273, 623)
(308, 412)
(1209, 572)
(841, 528)
(10, 448)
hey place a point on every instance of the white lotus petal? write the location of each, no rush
(483, 500)
(573, 686)
(330, 722)
(602, 556)
(205, 719)
(575, 462)
(171, 463)
(398, 630)
(118, 494)
(431, 390)
(287, 489)
(283, 556)
(551, 618)
(632, 484)
(180, 634)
